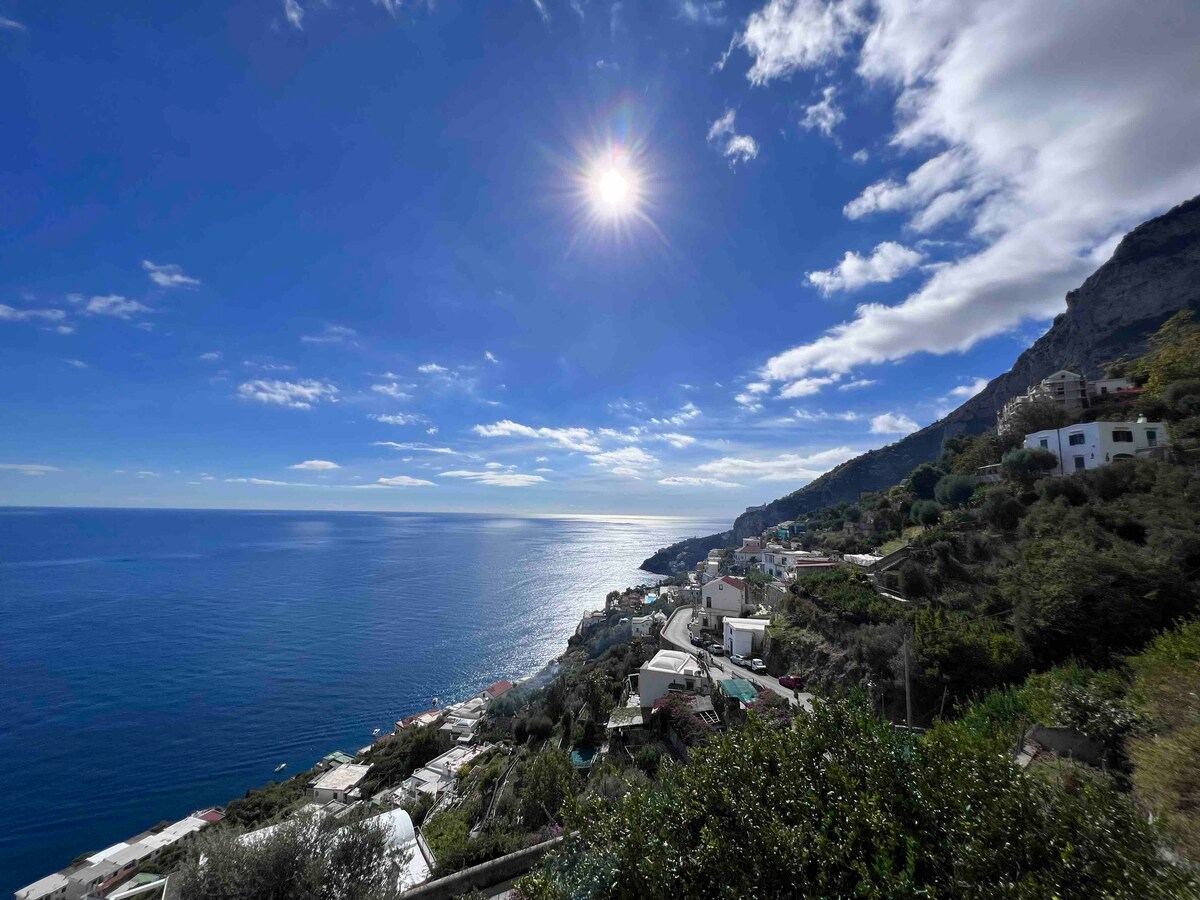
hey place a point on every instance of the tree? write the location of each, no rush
(925, 512)
(841, 805)
(1026, 465)
(1002, 510)
(306, 858)
(548, 780)
(923, 480)
(954, 490)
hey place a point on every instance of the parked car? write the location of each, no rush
(697, 641)
(716, 649)
(738, 660)
(795, 682)
(758, 667)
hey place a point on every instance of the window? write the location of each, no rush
(1122, 436)
(1079, 464)
(1152, 437)
(1045, 444)
(1075, 440)
(1103, 390)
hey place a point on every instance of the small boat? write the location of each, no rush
(281, 767)
(376, 732)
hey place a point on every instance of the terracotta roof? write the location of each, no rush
(736, 582)
(501, 687)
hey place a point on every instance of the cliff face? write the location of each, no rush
(1154, 273)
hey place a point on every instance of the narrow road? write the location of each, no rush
(676, 633)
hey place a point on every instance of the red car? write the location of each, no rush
(795, 682)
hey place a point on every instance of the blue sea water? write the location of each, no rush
(153, 662)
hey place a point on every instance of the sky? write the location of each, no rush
(547, 256)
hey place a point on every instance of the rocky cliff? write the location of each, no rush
(1154, 273)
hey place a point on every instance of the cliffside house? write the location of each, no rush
(1090, 445)
(437, 775)
(416, 720)
(750, 552)
(744, 636)
(780, 563)
(1069, 389)
(786, 531)
(494, 692)
(642, 626)
(590, 620)
(670, 671)
(340, 784)
(462, 719)
(721, 597)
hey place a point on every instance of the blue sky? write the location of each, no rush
(300, 254)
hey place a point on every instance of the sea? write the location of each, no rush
(154, 662)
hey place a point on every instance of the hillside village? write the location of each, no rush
(1027, 597)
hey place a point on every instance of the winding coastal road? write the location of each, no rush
(676, 633)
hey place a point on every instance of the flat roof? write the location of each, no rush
(341, 778)
(42, 887)
(747, 624)
(673, 662)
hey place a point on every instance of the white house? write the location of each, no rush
(749, 552)
(340, 784)
(780, 563)
(1108, 387)
(639, 626)
(52, 887)
(437, 775)
(744, 636)
(462, 720)
(670, 671)
(1091, 445)
(721, 597)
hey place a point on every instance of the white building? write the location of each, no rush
(437, 775)
(52, 887)
(1108, 387)
(340, 784)
(1091, 445)
(749, 552)
(721, 597)
(463, 719)
(639, 626)
(744, 637)
(1070, 390)
(670, 671)
(780, 563)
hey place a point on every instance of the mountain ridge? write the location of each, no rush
(1153, 273)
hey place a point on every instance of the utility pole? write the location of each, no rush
(907, 685)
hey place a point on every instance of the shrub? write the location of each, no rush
(922, 481)
(954, 490)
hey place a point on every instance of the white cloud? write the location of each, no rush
(787, 35)
(860, 156)
(401, 419)
(824, 115)
(405, 481)
(432, 369)
(146, 473)
(416, 447)
(1045, 148)
(626, 461)
(784, 467)
(77, 363)
(294, 13)
(967, 391)
(211, 356)
(542, 459)
(168, 276)
(686, 413)
(737, 148)
(393, 390)
(580, 439)
(11, 24)
(490, 356)
(806, 387)
(674, 438)
(33, 469)
(695, 481)
(315, 465)
(893, 423)
(431, 430)
(294, 394)
(819, 415)
(857, 383)
(113, 305)
(333, 334)
(887, 262)
(9, 314)
(496, 479)
(270, 482)
(540, 6)
(702, 12)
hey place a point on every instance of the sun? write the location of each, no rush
(613, 188)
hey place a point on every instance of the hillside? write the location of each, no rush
(1153, 273)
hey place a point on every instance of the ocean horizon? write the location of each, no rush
(156, 661)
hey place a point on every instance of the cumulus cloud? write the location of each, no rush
(967, 391)
(211, 356)
(792, 467)
(315, 465)
(432, 369)
(887, 262)
(404, 481)
(1045, 149)
(490, 356)
(112, 305)
(77, 363)
(696, 481)
(806, 387)
(580, 439)
(393, 390)
(415, 447)
(295, 394)
(737, 148)
(168, 276)
(685, 414)
(9, 314)
(626, 461)
(400, 419)
(496, 479)
(824, 115)
(33, 469)
(893, 423)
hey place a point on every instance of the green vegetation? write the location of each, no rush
(842, 805)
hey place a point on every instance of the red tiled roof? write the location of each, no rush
(501, 687)
(736, 582)
(409, 719)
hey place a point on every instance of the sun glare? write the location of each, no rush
(612, 191)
